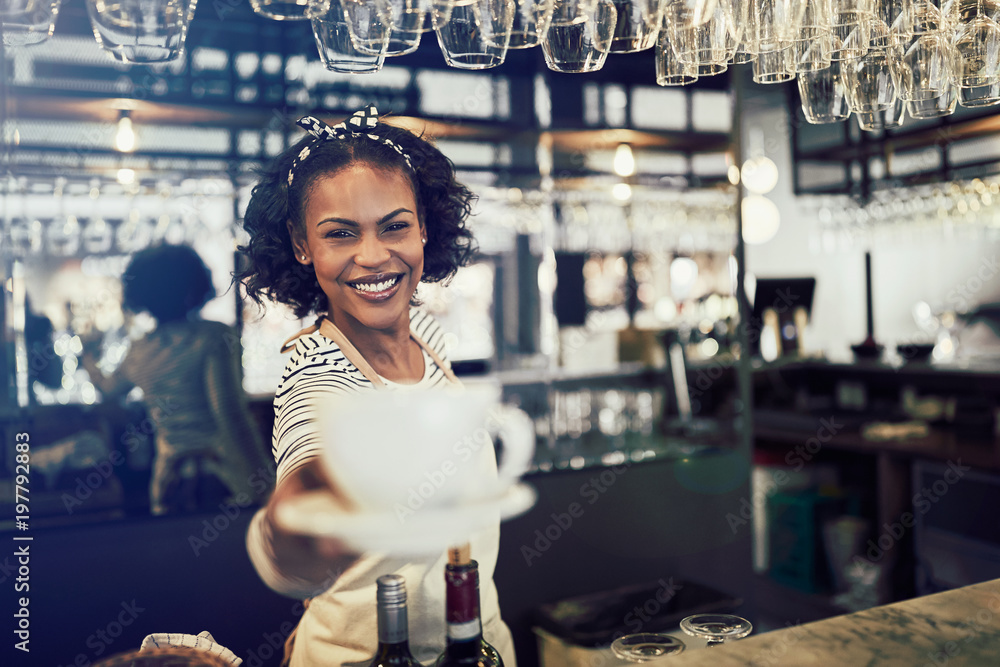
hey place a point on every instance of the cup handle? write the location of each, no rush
(517, 431)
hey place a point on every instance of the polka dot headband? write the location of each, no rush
(358, 124)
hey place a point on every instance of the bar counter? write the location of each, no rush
(956, 627)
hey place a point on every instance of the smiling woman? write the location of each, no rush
(368, 256)
(346, 224)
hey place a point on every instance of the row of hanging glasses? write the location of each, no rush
(70, 236)
(877, 59)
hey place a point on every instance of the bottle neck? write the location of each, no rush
(393, 625)
(462, 602)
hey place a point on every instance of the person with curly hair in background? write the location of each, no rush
(208, 446)
(345, 225)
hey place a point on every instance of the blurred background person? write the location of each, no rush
(208, 448)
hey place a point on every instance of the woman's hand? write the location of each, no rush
(318, 560)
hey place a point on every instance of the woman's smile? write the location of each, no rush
(377, 288)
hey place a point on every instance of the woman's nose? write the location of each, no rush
(372, 251)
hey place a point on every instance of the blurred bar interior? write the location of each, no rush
(754, 317)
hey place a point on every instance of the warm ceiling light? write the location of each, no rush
(622, 192)
(761, 219)
(624, 161)
(125, 136)
(760, 175)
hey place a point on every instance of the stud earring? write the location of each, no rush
(423, 240)
(304, 258)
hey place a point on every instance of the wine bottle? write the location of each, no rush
(465, 644)
(393, 629)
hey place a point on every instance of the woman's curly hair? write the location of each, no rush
(443, 204)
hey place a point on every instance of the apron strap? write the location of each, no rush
(290, 343)
(331, 331)
(437, 360)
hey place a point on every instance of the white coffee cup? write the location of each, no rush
(406, 450)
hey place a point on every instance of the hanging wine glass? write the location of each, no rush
(25, 236)
(97, 236)
(62, 236)
(24, 22)
(134, 234)
(716, 628)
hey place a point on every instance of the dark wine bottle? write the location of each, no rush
(465, 643)
(393, 628)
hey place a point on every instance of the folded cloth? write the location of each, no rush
(203, 640)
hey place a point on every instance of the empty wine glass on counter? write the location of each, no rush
(646, 646)
(716, 628)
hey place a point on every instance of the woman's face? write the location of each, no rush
(364, 239)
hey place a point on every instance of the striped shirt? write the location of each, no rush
(339, 626)
(317, 370)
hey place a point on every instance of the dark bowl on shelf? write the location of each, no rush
(868, 352)
(919, 352)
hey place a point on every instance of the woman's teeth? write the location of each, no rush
(375, 287)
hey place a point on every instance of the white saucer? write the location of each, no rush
(404, 530)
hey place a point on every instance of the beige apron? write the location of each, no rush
(331, 331)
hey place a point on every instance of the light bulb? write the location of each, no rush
(125, 136)
(621, 191)
(624, 161)
(760, 175)
(761, 219)
(683, 274)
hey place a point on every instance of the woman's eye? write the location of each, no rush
(338, 234)
(396, 226)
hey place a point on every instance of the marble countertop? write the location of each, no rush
(957, 627)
